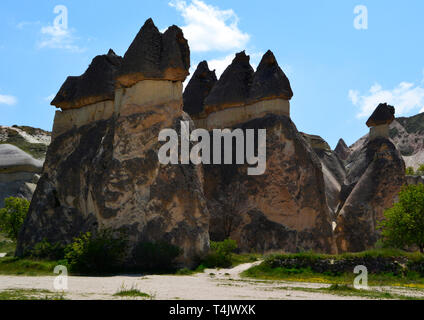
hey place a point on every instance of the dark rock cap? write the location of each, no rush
(198, 88)
(233, 86)
(270, 81)
(383, 114)
(95, 85)
(155, 56)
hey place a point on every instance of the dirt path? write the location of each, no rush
(224, 284)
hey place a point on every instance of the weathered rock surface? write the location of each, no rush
(375, 174)
(105, 173)
(342, 150)
(19, 173)
(233, 87)
(285, 208)
(154, 55)
(333, 170)
(19, 170)
(264, 89)
(241, 94)
(198, 88)
(97, 84)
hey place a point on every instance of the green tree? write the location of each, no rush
(404, 222)
(12, 216)
(410, 171)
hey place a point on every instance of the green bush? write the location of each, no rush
(404, 222)
(155, 257)
(220, 254)
(420, 170)
(12, 216)
(102, 253)
(48, 251)
(410, 171)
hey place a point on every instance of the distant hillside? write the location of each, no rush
(22, 153)
(31, 140)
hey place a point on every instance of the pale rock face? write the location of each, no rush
(381, 131)
(232, 116)
(67, 119)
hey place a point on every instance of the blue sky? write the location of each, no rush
(338, 73)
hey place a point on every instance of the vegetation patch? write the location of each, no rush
(30, 294)
(385, 267)
(133, 292)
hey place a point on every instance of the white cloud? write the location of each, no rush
(57, 37)
(23, 24)
(8, 100)
(209, 28)
(50, 97)
(405, 97)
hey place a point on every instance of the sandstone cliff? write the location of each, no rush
(286, 208)
(102, 168)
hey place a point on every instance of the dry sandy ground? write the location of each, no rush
(210, 285)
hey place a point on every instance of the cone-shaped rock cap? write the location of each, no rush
(198, 88)
(155, 56)
(270, 82)
(384, 114)
(95, 85)
(233, 87)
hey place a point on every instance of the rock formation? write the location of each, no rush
(333, 170)
(380, 120)
(285, 208)
(22, 152)
(19, 173)
(376, 172)
(102, 168)
(199, 87)
(342, 150)
(241, 94)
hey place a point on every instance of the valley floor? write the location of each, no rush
(224, 284)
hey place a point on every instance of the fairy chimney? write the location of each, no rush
(380, 120)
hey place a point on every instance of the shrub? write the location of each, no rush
(155, 257)
(102, 253)
(404, 222)
(410, 171)
(420, 170)
(220, 254)
(12, 216)
(46, 250)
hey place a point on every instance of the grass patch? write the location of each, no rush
(25, 267)
(300, 268)
(30, 294)
(133, 292)
(348, 291)
(6, 245)
(238, 259)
